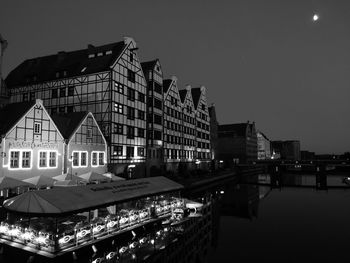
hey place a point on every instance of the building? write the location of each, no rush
(307, 155)
(172, 125)
(237, 143)
(214, 124)
(31, 144)
(264, 146)
(106, 80)
(85, 146)
(286, 150)
(189, 129)
(154, 77)
(203, 156)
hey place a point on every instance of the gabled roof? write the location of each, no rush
(196, 95)
(149, 65)
(67, 123)
(42, 69)
(12, 113)
(166, 85)
(183, 93)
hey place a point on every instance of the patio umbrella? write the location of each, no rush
(113, 177)
(9, 182)
(93, 176)
(64, 177)
(40, 180)
(66, 183)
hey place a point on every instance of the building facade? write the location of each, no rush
(85, 146)
(264, 146)
(31, 144)
(172, 127)
(214, 124)
(203, 156)
(106, 80)
(286, 150)
(154, 77)
(237, 143)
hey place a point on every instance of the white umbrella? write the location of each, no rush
(113, 177)
(40, 180)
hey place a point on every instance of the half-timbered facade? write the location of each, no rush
(203, 157)
(172, 124)
(85, 145)
(189, 128)
(31, 144)
(105, 80)
(154, 76)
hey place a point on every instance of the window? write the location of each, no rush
(54, 93)
(157, 135)
(25, 97)
(101, 158)
(83, 159)
(71, 90)
(157, 103)
(129, 151)
(89, 133)
(118, 108)
(26, 159)
(52, 159)
(130, 133)
(157, 88)
(118, 150)
(53, 111)
(131, 94)
(131, 113)
(140, 132)
(203, 107)
(62, 92)
(131, 76)
(75, 159)
(62, 109)
(37, 127)
(70, 108)
(141, 97)
(157, 119)
(119, 87)
(141, 151)
(94, 159)
(118, 128)
(14, 161)
(141, 114)
(42, 159)
(32, 96)
(131, 57)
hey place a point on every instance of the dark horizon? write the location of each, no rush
(265, 62)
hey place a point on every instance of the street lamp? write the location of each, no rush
(153, 243)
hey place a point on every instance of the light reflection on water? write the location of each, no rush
(285, 224)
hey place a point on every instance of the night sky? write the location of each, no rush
(263, 61)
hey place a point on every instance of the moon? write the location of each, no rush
(315, 17)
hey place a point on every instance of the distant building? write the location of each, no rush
(264, 146)
(237, 143)
(31, 144)
(307, 155)
(214, 125)
(85, 146)
(286, 150)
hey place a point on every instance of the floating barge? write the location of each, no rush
(55, 221)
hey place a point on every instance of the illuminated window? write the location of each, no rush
(83, 159)
(37, 127)
(118, 128)
(25, 159)
(101, 157)
(141, 151)
(118, 150)
(75, 159)
(94, 159)
(52, 159)
(14, 161)
(118, 107)
(42, 159)
(119, 87)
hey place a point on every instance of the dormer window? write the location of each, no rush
(91, 55)
(109, 52)
(100, 54)
(57, 74)
(83, 69)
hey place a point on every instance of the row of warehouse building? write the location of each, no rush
(101, 108)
